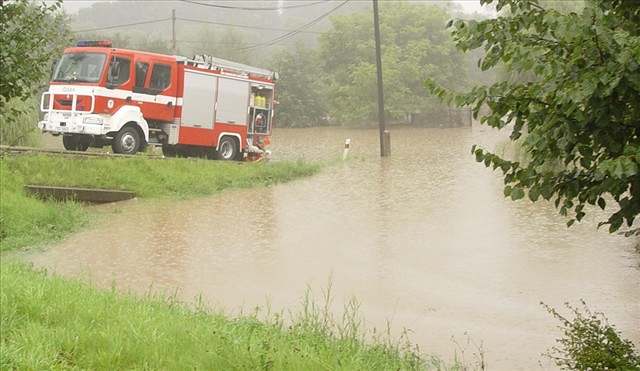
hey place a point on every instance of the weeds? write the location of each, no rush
(589, 342)
(18, 120)
(478, 354)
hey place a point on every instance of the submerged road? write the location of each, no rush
(423, 239)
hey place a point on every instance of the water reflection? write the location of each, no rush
(423, 238)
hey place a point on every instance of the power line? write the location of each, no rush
(254, 8)
(291, 34)
(214, 43)
(242, 26)
(193, 21)
(122, 25)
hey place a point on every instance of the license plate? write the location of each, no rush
(63, 129)
(66, 115)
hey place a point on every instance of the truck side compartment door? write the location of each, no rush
(198, 107)
(233, 101)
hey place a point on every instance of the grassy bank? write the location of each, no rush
(25, 221)
(51, 323)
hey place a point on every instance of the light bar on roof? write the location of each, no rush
(100, 43)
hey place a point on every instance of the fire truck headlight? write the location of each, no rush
(46, 117)
(92, 120)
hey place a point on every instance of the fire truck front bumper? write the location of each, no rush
(68, 123)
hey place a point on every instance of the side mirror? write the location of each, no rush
(114, 71)
(54, 64)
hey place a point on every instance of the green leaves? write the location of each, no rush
(534, 193)
(622, 167)
(572, 97)
(517, 193)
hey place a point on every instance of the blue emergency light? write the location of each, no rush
(100, 43)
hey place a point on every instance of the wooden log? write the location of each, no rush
(92, 195)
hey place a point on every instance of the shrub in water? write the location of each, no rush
(589, 342)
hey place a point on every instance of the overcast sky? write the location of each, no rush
(469, 6)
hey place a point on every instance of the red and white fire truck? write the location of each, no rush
(129, 99)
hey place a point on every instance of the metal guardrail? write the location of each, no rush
(30, 150)
(18, 150)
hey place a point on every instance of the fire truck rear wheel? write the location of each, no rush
(127, 141)
(228, 149)
(169, 150)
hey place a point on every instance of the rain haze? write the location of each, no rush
(342, 184)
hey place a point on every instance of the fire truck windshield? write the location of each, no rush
(79, 67)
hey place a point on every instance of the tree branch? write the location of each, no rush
(595, 38)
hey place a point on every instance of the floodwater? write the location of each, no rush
(423, 239)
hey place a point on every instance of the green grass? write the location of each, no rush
(54, 323)
(26, 221)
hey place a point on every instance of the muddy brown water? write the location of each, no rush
(423, 239)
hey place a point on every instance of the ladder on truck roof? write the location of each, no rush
(213, 63)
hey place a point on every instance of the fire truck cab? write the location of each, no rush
(205, 106)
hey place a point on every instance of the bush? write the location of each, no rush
(591, 343)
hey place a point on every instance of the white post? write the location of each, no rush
(347, 145)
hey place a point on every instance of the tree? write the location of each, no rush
(578, 113)
(415, 46)
(301, 92)
(229, 45)
(32, 35)
(153, 44)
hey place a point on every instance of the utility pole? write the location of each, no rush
(173, 31)
(385, 139)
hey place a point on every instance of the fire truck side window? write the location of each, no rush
(160, 77)
(141, 74)
(119, 71)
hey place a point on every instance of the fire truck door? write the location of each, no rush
(154, 88)
(119, 73)
(140, 96)
(162, 83)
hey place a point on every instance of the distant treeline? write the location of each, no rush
(326, 78)
(335, 83)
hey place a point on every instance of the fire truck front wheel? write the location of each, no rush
(76, 142)
(69, 142)
(228, 149)
(127, 141)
